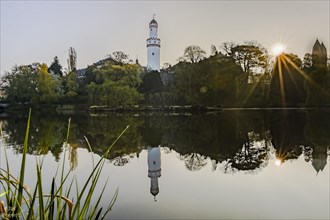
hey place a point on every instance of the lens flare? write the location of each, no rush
(278, 49)
(278, 162)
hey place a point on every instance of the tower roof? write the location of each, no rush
(153, 21)
(317, 43)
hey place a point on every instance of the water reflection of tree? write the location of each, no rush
(253, 155)
(236, 140)
(46, 134)
(194, 161)
(288, 137)
(122, 160)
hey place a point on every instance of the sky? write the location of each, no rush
(37, 31)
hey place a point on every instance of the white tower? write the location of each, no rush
(154, 169)
(153, 47)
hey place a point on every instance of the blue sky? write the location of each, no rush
(37, 31)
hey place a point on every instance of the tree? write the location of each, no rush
(251, 56)
(287, 83)
(227, 47)
(193, 54)
(194, 161)
(115, 85)
(307, 62)
(151, 83)
(72, 61)
(119, 56)
(213, 81)
(20, 85)
(166, 66)
(70, 84)
(46, 85)
(214, 50)
(56, 68)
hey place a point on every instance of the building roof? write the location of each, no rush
(317, 44)
(153, 21)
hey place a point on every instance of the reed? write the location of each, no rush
(58, 203)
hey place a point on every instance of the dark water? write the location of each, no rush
(232, 164)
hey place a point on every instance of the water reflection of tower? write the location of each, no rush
(154, 169)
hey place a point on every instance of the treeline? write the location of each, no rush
(235, 75)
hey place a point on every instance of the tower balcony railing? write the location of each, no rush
(153, 38)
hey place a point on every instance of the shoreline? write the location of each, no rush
(193, 109)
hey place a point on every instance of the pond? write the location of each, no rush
(251, 164)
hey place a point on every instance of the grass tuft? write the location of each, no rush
(56, 204)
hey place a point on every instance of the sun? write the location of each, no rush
(278, 49)
(278, 162)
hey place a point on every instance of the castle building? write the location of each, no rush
(319, 54)
(154, 169)
(153, 47)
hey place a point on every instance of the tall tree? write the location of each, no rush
(72, 61)
(193, 54)
(46, 85)
(251, 56)
(56, 68)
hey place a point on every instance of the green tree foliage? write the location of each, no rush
(31, 84)
(70, 85)
(20, 85)
(152, 87)
(213, 81)
(47, 85)
(151, 83)
(56, 68)
(115, 85)
(72, 61)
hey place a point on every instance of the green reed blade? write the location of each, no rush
(41, 201)
(98, 200)
(98, 214)
(113, 200)
(21, 176)
(51, 203)
(31, 204)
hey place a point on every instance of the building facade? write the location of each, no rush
(153, 47)
(319, 54)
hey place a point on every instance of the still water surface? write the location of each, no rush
(232, 164)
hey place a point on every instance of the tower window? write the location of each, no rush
(154, 41)
(153, 53)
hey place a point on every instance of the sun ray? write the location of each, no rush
(286, 66)
(251, 91)
(279, 61)
(306, 77)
